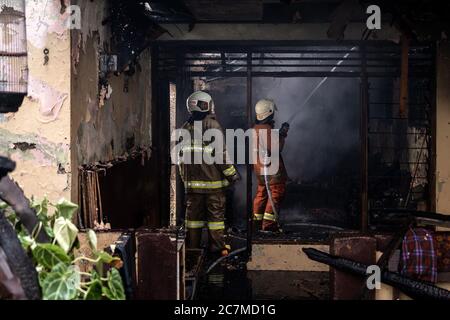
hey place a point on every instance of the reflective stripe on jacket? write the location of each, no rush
(203, 177)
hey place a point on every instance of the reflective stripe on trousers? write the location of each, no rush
(205, 210)
(216, 225)
(269, 216)
(195, 224)
(257, 217)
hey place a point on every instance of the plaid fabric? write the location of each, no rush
(419, 259)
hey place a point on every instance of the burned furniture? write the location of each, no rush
(160, 264)
(361, 248)
(104, 194)
(350, 262)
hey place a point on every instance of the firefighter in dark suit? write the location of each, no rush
(205, 183)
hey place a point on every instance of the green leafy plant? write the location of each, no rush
(57, 264)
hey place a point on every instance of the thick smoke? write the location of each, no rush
(324, 131)
(324, 135)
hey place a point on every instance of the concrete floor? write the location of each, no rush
(264, 285)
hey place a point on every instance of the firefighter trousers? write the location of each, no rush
(206, 210)
(263, 213)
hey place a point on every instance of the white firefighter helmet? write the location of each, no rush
(264, 108)
(200, 101)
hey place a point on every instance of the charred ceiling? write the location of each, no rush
(135, 24)
(132, 29)
(419, 19)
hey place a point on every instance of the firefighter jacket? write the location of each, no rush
(265, 142)
(204, 177)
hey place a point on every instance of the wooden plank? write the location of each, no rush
(159, 267)
(360, 248)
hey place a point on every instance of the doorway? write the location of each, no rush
(333, 182)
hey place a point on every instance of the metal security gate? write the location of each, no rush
(401, 147)
(289, 59)
(375, 63)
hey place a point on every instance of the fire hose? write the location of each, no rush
(266, 183)
(266, 161)
(231, 254)
(311, 94)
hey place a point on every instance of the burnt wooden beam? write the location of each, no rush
(416, 289)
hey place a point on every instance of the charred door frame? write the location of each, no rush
(170, 64)
(160, 140)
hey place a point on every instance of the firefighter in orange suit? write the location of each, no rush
(205, 184)
(271, 187)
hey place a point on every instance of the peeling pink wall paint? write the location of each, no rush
(43, 120)
(44, 17)
(49, 99)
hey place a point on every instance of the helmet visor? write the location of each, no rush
(203, 105)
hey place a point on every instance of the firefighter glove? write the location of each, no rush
(234, 178)
(284, 129)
